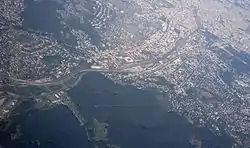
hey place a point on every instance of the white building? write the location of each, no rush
(128, 59)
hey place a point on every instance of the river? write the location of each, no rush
(135, 118)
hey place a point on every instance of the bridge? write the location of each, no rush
(56, 82)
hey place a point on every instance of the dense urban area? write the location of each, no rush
(196, 52)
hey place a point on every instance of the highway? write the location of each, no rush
(178, 44)
(26, 82)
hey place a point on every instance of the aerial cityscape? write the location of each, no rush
(196, 53)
